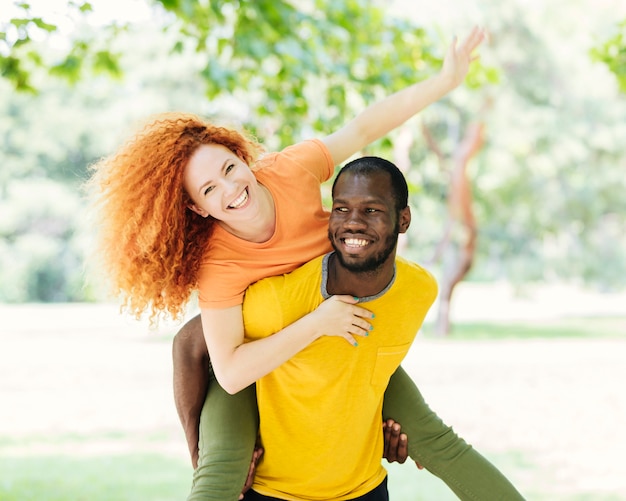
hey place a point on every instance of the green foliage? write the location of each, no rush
(21, 54)
(40, 247)
(612, 52)
(297, 64)
(302, 63)
(547, 184)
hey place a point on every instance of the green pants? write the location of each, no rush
(228, 430)
(441, 451)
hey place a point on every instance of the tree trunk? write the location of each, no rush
(458, 243)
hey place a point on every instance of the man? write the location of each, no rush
(305, 403)
(320, 412)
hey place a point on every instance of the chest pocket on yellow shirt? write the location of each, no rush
(388, 359)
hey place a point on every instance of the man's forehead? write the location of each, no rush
(370, 185)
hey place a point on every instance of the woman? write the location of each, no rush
(182, 209)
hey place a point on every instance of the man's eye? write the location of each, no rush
(371, 210)
(341, 209)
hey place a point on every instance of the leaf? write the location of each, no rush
(108, 63)
(41, 24)
(86, 7)
(70, 68)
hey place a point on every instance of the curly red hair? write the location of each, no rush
(150, 243)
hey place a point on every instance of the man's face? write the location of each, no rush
(364, 226)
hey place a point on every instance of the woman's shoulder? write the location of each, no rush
(310, 156)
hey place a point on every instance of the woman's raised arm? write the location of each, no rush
(383, 116)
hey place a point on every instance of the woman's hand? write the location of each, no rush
(458, 58)
(339, 316)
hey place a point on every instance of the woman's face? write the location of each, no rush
(220, 184)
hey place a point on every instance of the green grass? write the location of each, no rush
(155, 477)
(152, 477)
(406, 483)
(130, 477)
(148, 476)
(576, 328)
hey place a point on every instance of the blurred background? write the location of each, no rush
(517, 192)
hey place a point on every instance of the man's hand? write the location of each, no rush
(396, 448)
(396, 443)
(256, 455)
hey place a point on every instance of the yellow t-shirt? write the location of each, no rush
(321, 411)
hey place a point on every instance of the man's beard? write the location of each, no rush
(374, 262)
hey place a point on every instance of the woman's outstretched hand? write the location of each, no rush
(458, 57)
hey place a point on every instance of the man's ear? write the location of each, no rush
(405, 219)
(198, 210)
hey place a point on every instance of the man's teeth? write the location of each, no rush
(242, 199)
(355, 242)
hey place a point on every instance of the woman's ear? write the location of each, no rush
(198, 210)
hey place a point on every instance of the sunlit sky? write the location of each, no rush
(135, 10)
(454, 12)
(453, 15)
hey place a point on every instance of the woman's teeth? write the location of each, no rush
(242, 199)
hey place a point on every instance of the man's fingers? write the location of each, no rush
(391, 435)
(403, 449)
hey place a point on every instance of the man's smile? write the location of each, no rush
(354, 242)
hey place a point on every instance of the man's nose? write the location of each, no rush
(355, 219)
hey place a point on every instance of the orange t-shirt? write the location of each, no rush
(293, 176)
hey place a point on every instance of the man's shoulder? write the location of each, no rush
(311, 270)
(301, 275)
(409, 272)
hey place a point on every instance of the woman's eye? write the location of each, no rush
(208, 190)
(229, 168)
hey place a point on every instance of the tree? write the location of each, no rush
(457, 247)
(612, 52)
(299, 64)
(21, 55)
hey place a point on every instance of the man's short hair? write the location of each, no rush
(369, 165)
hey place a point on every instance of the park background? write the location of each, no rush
(517, 190)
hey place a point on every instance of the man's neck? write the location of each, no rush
(359, 284)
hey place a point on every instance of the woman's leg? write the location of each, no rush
(221, 429)
(228, 432)
(441, 451)
(192, 372)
